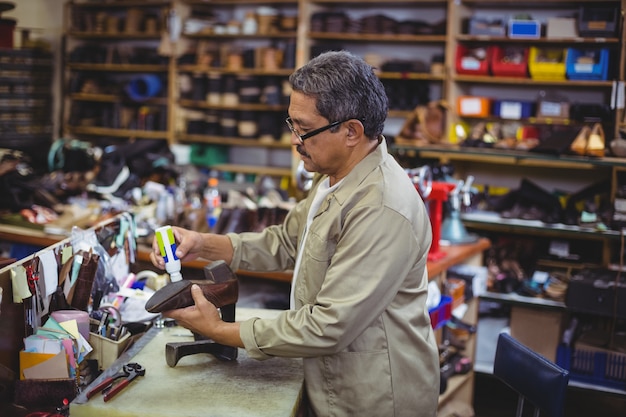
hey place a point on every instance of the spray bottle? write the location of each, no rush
(167, 246)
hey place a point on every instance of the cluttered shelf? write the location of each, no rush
(38, 237)
(505, 156)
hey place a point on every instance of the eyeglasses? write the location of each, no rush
(312, 132)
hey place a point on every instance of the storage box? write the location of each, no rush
(472, 61)
(539, 329)
(208, 155)
(280, 158)
(456, 289)
(510, 61)
(553, 109)
(547, 63)
(598, 292)
(473, 106)
(593, 365)
(479, 26)
(561, 27)
(524, 29)
(598, 21)
(513, 110)
(587, 64)
(248, 155)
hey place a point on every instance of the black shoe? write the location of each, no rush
(113, 173)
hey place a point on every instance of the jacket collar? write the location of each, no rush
(368, 164)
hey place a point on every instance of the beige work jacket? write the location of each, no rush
(360, 321)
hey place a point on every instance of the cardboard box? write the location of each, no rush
(561, 27)
(538, 328)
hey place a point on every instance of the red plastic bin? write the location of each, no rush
(503, 68)
(470, 65)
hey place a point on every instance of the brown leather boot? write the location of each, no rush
(221, 290)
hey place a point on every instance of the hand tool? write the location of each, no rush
(129, 371)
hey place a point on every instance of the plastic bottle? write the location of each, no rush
(212, 202)
(167, 246)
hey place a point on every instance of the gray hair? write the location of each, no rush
(345, 87)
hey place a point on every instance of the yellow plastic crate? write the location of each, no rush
(547, 63)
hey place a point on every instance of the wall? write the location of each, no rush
(44, 20)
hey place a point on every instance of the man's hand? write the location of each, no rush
(204, 318)
(189, 246)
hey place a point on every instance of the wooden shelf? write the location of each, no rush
(530, 81)
(117, 67)
(199, 69)
(272, 35)
(511, 157)
(456, 254)
(112, 98)
(119, 4)
(388, 2)
(120, 36)
(539, 41)
(228, 141)
(494, 222)
(410, 76)
(253, 169)
(122, 133)
(365, 37)
(237, 2)
(240, 106)
(527, 4)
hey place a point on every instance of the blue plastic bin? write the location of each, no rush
(440, 315)
(513, 109)
(598, 70)
(607, 369)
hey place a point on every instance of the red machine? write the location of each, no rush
(434, 195)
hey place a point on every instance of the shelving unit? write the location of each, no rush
(403, 54)
(572, 91)
(567, 173)
(116, 84)
(237, 70)
(26, 102)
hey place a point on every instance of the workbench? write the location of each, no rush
(200, 384)
(226, 381)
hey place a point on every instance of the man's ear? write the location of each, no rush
(354, 130)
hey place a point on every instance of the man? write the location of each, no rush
(357, 245)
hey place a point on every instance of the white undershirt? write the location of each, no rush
(322, 191)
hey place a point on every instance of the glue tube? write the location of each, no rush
(167, 246)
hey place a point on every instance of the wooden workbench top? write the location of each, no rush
(200, 385)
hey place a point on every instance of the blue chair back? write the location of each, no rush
(533, 377)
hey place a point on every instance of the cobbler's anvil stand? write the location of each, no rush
(174, 351)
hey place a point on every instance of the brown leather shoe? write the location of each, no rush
(178, 294)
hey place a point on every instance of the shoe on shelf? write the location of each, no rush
(113, 173)
(595, 144)
(579, 145)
